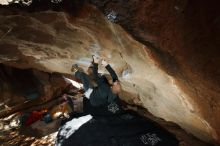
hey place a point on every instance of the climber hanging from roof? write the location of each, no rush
(102, 98)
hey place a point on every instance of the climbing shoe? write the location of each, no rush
(75, 68)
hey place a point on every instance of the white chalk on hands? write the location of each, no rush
(96, 58)
(104, 63)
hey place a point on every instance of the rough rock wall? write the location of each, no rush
(183, 36)
(52, 41)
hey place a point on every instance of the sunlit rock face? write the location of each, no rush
(52, 41)
(183, 37)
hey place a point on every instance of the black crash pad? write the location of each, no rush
(128, 129)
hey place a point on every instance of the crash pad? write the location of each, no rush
(127, 129)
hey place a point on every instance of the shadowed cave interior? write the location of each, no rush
(165, 54)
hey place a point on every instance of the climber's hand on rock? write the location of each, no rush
(104, 63)
(96, 59)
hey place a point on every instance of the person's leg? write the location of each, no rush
(70, 102)
(84, 79)
(78, 104)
